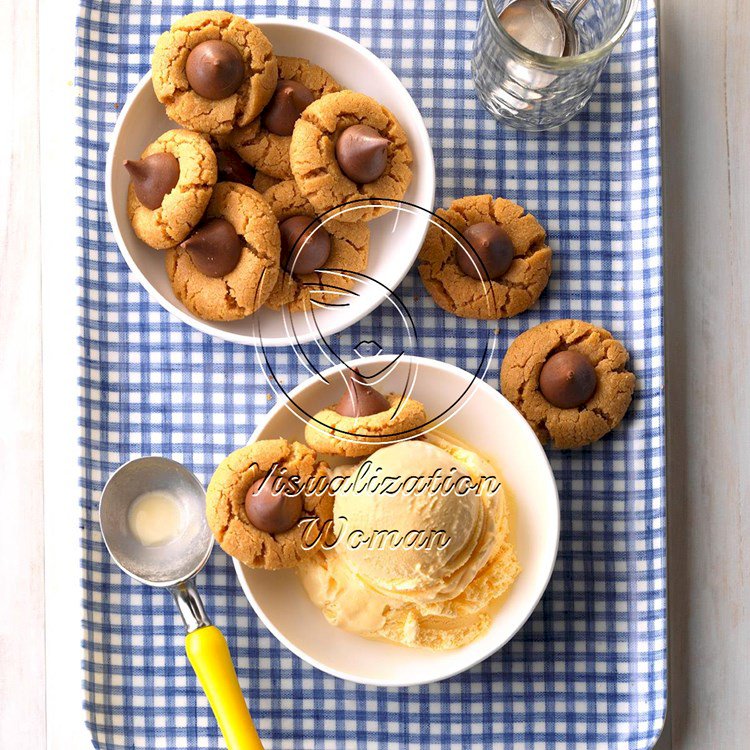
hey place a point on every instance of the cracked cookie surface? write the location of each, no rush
(515, 291)
(267, 151)
(313, 156)
(330, 432)
(225, 504)
(350, 243)
(579, 426)
(262, 182)
(187, 107)
(182, 208)
(244, 289)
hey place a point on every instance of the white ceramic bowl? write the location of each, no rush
(395, 238)
(485, 421)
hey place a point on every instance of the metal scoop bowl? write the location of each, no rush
(173, 566)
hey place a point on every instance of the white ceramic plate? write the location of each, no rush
(395, 238)
(490, 424)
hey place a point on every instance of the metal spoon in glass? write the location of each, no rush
(152, 516)
(542, 28)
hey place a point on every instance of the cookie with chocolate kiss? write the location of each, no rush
(273, 504)
(570, 381)
(264, 143)
(230, 265)
(360, 399)
(348, 148)
(287, 104)
(305, 245)
(567, 379)
(153, 177)
(490, 253)
(319, 263)
(363, 419)
(215, 248)
(213, 71)
(362, 153)
(268, 504)
(485, 258)
(170, 187)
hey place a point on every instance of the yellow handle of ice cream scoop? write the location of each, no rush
(209, 654)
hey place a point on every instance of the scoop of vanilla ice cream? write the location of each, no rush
(374, 583)
(406, 529)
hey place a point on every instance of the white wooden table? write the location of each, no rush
(706, 133)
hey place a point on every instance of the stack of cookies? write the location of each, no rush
(263, 195)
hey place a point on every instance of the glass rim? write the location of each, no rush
(629, 9)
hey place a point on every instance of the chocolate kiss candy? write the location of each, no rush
(288, 102)
(301, 251)
(360, 400)
(362, 153)
(232, 168)
(215, 69)
(567, 379)
(493, 248)
(271, 511)
(153, 177)
(214, 247)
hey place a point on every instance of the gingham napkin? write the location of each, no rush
(589, 668)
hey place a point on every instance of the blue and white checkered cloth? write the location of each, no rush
(589, 668)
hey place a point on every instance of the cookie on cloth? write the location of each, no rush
(170, 187)
(569, 380)
(258, 500)
(226, 269)
(487, 258)
(264, 143)
(213, 71)
(334, 245)
(364, 420)
(348, 147)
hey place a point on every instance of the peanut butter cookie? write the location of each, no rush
(265, 142)
(345, 243)
(258, 500)
(488, 259)
(213, 71)
(228, 267)
(263, 182)
(363, 420)
(569, 381)
(348, 147)
(175, 177)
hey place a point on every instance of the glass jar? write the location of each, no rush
(530, 91)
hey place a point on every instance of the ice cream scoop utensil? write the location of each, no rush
(173, 566)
